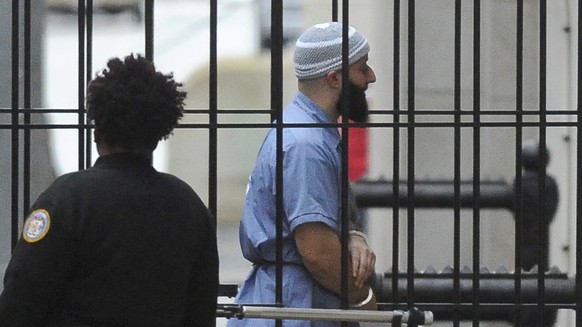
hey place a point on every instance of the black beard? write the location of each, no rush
(358, 105)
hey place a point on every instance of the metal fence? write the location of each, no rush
(529, 294)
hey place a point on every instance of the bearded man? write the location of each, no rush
(311, 188)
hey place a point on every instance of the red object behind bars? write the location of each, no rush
(357, 153)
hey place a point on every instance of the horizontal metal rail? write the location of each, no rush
(494, 287)
(433, 194)
(411, 317)
(497, 297)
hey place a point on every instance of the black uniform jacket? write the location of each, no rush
(120, 245)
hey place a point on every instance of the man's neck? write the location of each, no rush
(105, 149)
(325, 99)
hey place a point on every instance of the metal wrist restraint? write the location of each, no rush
(366, 301)
(360, 234)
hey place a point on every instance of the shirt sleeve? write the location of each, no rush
(311, 184)
(36, 271)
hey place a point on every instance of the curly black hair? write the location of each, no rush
(133, 105)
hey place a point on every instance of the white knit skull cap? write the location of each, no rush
(319, 49)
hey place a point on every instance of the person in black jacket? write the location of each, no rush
(118, 244)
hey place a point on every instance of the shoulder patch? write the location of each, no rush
(36, 226)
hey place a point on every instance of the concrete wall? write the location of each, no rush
(243, 83)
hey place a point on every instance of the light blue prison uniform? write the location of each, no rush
(311, 181)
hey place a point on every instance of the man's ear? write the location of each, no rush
(334, 79)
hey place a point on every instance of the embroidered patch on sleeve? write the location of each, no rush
(36, 226)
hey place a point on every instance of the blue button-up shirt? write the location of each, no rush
(311, 193)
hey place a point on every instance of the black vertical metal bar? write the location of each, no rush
(213, 114)
(411, 147)
(88, 74)
(345, 155)
(81, 84)
(518, 213)
(276, 59)
(27, 105)
(396, 153)
(149, 35)
(280, 213)
(476, 157)
(543, 244)
(15, 125)
(578, 308)
(277, 105)
(457, 168)
(149, 30)
(334, 10)
(213, 111)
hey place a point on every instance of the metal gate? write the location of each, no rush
(463, 97)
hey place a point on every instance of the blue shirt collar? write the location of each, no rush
(318, 115)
